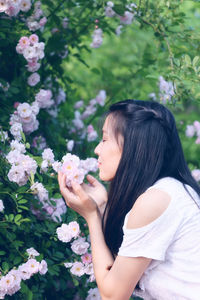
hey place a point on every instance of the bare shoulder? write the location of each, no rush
(148, 207)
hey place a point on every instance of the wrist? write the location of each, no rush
(94, 218)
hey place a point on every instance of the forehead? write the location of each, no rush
(110, 128)
(108, 124)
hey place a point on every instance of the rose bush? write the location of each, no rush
(49, 63)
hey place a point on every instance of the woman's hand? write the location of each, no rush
(77, 199)
(96, 191)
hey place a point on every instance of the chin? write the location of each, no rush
(104, 177)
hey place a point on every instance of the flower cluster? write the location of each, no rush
(39, 190)
(54, 208)
(126, 19)
(39, 142)
(83, 267)
(79, 269)
(87, 111)
(93, 294)
(32, 50)
(97, 38)
(48, 159)
(91, 108)
(109, 12)
(196, 174)
(37, 20)
(70, 145)
(10, 283)
(193, 130)
(166, 90)
(76, 169)
(1, 206)
(80, 247)
(68, 231)
(5, 86)
(43, 98)
(12, 8)
(24, 119)
(57, 210)
(22, 165)
(60, 97)
(3, 135)
(91, 133)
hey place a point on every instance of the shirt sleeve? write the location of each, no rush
(152, 240)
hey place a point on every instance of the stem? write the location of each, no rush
(170, 53)
(6, 193)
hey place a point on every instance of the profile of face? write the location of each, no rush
(109, 152)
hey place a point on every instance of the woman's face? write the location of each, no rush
(109, 152)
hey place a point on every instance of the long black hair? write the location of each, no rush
(151, 150)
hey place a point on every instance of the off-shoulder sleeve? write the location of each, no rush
(152, 240)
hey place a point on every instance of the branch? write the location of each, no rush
(162, 33)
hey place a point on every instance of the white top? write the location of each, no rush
(173, 243)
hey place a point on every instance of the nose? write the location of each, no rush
(97, 149)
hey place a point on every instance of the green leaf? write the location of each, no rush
(17, 260)
(28, 146)
(22, 189)
(17, 218)
(53, 270)
(2, 252)
(23, 207)
(152, 76)
(14, 90)
(57, 196)
(25, 290)
(38, 159)
(195, 61)
(5, 266)
(25, 220)
(11, 217)
(23, 136)
(18, 244)
(119, 9)
(96, 71)
(75, 281)
(177, 62)
(59, 254)
(22, 201)
(188, 60)
(53, 202)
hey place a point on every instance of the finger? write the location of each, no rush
(60, 175)
(59, 181)
(78, 190)
(92, 180)
(85, 186)
(63, 187)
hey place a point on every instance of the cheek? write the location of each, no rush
(115, 163)
(108, 169)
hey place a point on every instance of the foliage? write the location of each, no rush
(155, 56)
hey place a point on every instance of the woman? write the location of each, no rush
(150, 228)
